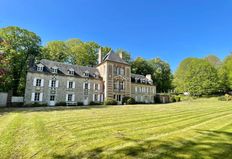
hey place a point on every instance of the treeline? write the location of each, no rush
(20, 48)
(205, 76)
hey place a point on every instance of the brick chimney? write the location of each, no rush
(121, 55)
(99, 55)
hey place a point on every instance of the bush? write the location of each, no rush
(177, 98)
(130, 101)
(36, 105)
(110, 101)
(172, 99)
(228, 97)
(61, 104)
(157, 99)
(80, 103)
(124, 100)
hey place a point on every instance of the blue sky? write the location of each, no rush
(169, 29)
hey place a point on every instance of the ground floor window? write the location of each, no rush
(70, 97)
(36, 98)
(52, 98)
(118, 97)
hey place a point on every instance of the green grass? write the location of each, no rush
(191, 129)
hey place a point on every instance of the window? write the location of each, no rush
(95, 97)
(39, 68)
(36, 98)
(54, 70)
(38, 82)
(52, 98)
(53, 84)
(70, 97)
(96, 87)
(86, 85)
(118, 97)
(70, 84)
(86, 74)
(121, 85)
(116, 84)
(71, 71)
(122, 72)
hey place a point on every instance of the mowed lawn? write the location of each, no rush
(190, 129)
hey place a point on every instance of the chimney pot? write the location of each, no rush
(121, 55)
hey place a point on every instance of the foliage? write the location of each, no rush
(214, 61)
(172, 99)
(177, 98)
(225, 73)
(20, 48)
(61, 104)
(128, 100)
(141, 66)
(95, 103)
(161, 74)
(196, 76)
(125, 55)
(110, 101)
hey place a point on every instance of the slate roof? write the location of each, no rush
(136, 78)
(63, 68)
(111, 56)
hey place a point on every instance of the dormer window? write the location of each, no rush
(54, 69)
(71, 71)
(86, 73)
(96, 74)
(40, 67)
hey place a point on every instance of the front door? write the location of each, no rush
(52, 100)
(86, 101)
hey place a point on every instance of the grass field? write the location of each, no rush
(190, 129)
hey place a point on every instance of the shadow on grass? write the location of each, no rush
(211, 144)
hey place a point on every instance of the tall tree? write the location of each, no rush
(226, 73)
(141, 66)
(19, 46)
(213, 60)
(56, 51)
(196, 76)
(161, 74)
(125, 55)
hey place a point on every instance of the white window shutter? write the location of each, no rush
(57, 83)
(88, 85)
(93, 97)
(50, 83)
(66, 99)
(42, 82)
(73, 97)
(94, 86)
(73, 84)
(99, 98)
(83, 85)
(34, 82)
(41, 97)
(67, 84)
(99, 87)
(32, 97)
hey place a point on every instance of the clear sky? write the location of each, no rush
(169, 29)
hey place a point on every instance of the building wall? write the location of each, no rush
(143, 93)
(61, 91)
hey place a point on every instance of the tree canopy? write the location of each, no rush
(19, 47)
(196, 76)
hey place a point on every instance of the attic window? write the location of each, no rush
(54, 69)
(40, 67)
(71, 71)
(86, 73)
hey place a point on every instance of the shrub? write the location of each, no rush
(177, 98)
(36, 105)
(228, 97)
(173, 99)
(157, 99)
(124, 100)
(61, 104)
(80, 103)
(110, 101)
(130, 101)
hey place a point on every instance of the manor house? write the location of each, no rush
(53, 82)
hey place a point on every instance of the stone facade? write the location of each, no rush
(54, 82)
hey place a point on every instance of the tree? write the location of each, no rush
(161, 74)
(196, 76)
(213, 60)
(19, 46)
(141, 66)
(56, 51)
(125, 55)
(225, 73)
